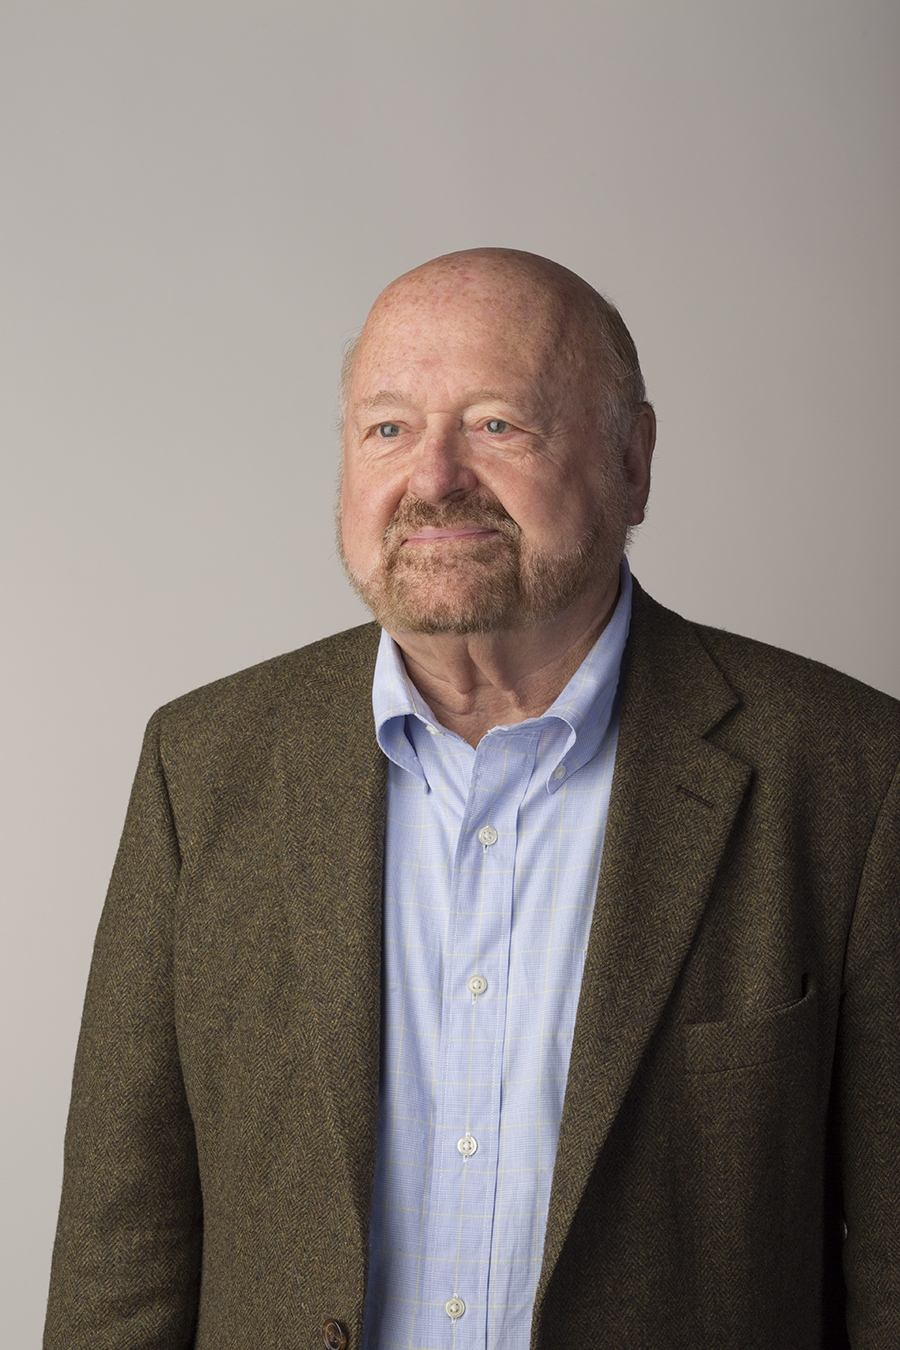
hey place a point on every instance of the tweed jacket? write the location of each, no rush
(728, 1170)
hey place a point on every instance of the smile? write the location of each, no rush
(432, 535)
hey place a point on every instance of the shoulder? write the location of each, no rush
(336, 662)
(780, 703)
(242, 716)
(765, 673)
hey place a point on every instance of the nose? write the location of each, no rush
(442, 470)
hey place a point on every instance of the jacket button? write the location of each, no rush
(335, 1336)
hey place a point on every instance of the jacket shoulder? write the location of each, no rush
(757, 664)
(342, 659)
(228, 729)
(779, 697)
(773, 674)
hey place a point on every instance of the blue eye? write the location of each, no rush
(496, 427)
(388, 430)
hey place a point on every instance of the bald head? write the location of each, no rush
(586, 351)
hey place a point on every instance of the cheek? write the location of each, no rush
(544, 498)
(563, 516)
(367, 507)
(548, 513)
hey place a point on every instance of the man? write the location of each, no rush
(557, 1004)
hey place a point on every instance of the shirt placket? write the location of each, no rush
(473, 1028)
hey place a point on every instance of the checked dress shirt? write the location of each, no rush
(492, 857)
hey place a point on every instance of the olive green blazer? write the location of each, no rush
(728, 1171)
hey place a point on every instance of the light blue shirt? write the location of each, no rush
(491, 864)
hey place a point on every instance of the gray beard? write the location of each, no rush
(499, 584)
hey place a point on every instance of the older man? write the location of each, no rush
(559, 1004)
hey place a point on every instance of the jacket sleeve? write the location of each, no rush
(126, 1264)
(869, 1093)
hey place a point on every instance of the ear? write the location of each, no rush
(637, 455)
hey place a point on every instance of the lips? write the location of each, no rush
(431, 534)
(452, 530)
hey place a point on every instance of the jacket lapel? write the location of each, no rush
(674, 799)
(331, 842)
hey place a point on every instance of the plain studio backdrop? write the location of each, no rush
(199, 203)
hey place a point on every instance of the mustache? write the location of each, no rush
(482, 514)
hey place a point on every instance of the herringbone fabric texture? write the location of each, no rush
(734, 1084)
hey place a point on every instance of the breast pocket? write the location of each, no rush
(753, 1148)
(782, 1033)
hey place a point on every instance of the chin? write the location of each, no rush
(446, 609)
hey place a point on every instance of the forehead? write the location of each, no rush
(489, 292)
(453, 321)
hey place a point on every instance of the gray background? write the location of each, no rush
(198, 204)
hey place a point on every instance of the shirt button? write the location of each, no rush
(476, 984)
(334, 1335)
(454, 1307)
(467, 1145)
(487, 835)
(559, 771)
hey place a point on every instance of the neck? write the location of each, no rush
(473, 682)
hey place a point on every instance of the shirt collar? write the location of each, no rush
(585, 706)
